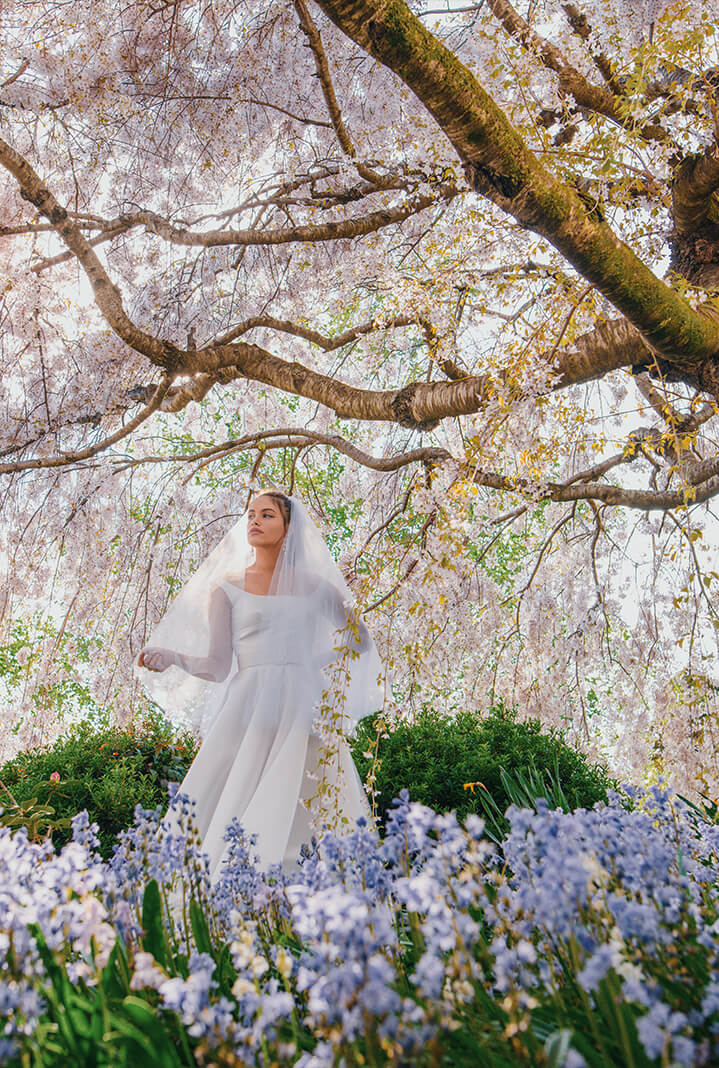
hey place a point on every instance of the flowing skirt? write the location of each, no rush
(261, 760)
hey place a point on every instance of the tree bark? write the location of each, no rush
(422, 405)
(696, 179)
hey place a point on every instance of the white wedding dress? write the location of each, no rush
(262, 757)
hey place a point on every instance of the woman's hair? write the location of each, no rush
(284, 503)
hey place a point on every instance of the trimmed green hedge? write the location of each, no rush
(109, 769)
(103, 768)
(434, 757)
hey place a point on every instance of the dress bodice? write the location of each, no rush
(271, 630)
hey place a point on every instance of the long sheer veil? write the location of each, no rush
(339, 647)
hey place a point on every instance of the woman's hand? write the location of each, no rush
(155, 659)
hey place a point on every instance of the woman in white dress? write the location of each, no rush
(262, 652)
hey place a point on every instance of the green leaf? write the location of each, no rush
(557, 1047)
(200, 930)
(140, 1012)
(122, 1029)
(115, 976)
(142, 1016)
(155, 939)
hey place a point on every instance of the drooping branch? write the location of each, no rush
(579, 23)
(701, 479)
(66, 459)
(328, 344)
(502, 168)
(107, 296)
(294, 437)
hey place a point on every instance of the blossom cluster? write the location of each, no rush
(389, 944)
(606, 640)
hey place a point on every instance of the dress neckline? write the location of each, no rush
(249, 593)
(241, 589)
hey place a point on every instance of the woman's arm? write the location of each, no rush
(216, 665)
(345, 618)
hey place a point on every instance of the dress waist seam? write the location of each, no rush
(244, 663)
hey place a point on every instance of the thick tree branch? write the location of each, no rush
(697, 492)
(589, 97)
(501, 167)
(107, 295)
(422, 405)
(696, 179)
(343, 229)
(418, 405)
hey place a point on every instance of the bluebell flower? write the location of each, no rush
(85, 834)
(429, 975)
(658, 1027)
(596, 968)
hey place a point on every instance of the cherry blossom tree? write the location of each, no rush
(447, 269)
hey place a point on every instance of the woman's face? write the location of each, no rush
(265, 523)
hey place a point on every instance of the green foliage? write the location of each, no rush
(502, 761)
(37, 816)
(523, 787)
(106, 1024)
(25, 644)
(104, 768)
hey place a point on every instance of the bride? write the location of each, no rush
(262, 653)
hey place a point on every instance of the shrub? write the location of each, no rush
(434, 757)
(103, 768)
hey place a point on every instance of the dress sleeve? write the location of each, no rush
(214, 667)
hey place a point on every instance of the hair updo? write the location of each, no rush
(283, 501)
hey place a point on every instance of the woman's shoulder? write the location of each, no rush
(229, 584)
(232, 578)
